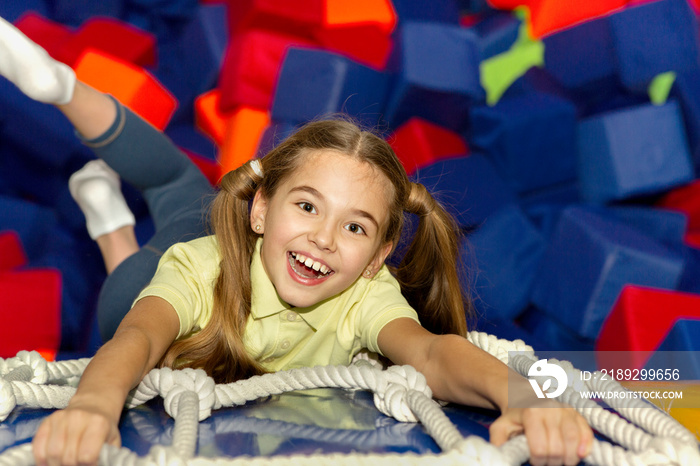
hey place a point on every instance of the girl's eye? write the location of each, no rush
(306, 207)
(355, 228)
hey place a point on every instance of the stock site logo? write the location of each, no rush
(553, 372)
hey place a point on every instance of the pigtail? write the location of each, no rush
(428, 273)
(218, 348)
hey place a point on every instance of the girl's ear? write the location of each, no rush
(379, 259)
(257, 212)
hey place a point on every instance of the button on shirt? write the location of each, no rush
(278, 335)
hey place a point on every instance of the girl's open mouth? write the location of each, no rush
(308, 268)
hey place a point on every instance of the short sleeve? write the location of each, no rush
(185, 278)
(382, 304)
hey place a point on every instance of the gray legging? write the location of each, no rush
(177, 195)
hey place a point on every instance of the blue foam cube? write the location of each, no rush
(551, 335)
(638, 151)
(581, 57)
(665, 226)
(680, 351)
(314, 83)
(436, 75)
(469, 188)
(530, 138)
(507, 250)
(444, 11)
(33, 223)
(12, 11)
(75, 12)
(653, 38)
(686, 90)
(589, 260)
(276, 132)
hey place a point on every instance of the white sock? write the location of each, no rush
(30, 68)
(97, 190)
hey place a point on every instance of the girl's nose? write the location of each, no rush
(322, 236)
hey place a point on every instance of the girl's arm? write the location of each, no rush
(76, 434)
(459, 372)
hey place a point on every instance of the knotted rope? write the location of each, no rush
(649, 437)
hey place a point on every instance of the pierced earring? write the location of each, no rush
(368, 272)
(257, 227)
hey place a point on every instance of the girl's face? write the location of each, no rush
(323, 227)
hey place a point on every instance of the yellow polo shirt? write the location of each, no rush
(278, 335)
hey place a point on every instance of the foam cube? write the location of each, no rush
(507, 250)
(686, 90)
(582, 58)
(209, 118)
(49, 34)
(419, 143)
(442, 11)
(13, 11)
(679, 351)
(33, 223)
(549, 334)
(251, 66)
(664, 226)
(590, 258)
(436, 75)
(244, 129)
(632, 152)
(294, 18)
(12, 253)
(113, 37)
(75, 12)
(30, 311)
(530, 138)
(361, 30)
(548, 16)
(641, 319)
(131, 85)
(314, 83)
(468, 187)
(654, 38)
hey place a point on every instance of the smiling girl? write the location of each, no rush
(294, 275)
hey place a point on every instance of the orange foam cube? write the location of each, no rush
(244, 128)
(130, 84)
(209, 118)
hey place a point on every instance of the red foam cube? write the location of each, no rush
(12, 253)
(48, 34)
(251, 67)
(30, 311)
(419, 143)
(297, 18)
(640, 320)
(209, 168)
(114, 37)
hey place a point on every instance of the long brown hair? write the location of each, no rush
(428, 274)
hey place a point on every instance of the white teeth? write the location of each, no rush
(307, 261)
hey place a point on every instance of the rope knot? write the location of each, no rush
(171, 384)
(392, 400)
(39, 366)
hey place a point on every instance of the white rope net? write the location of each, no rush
(644, 435)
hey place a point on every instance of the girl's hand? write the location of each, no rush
(74, 436)
(556, 433)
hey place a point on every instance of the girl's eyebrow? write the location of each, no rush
(316, 193)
